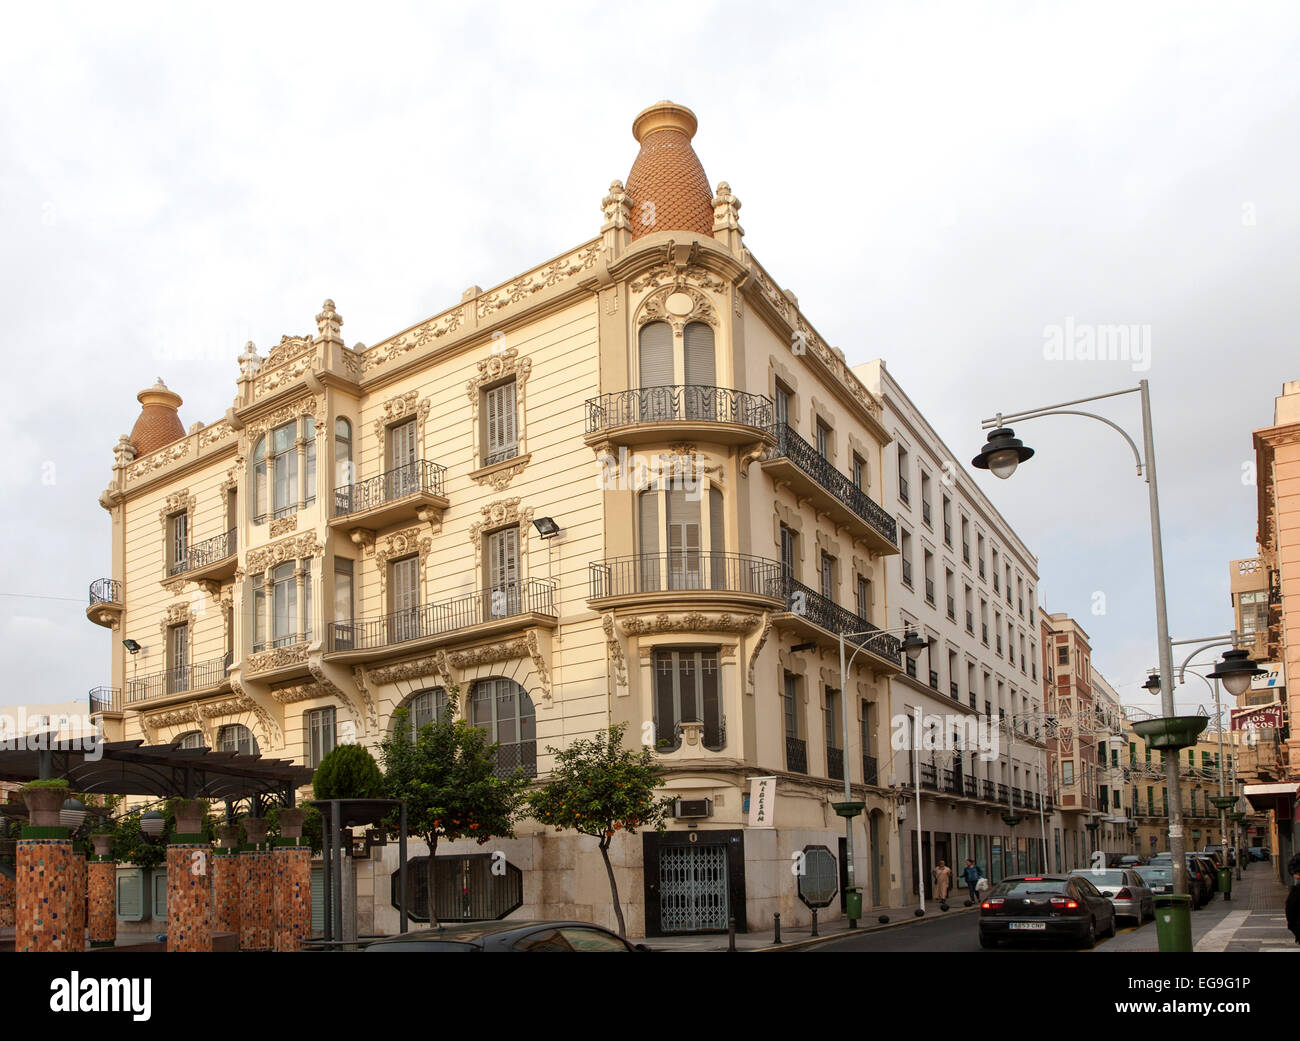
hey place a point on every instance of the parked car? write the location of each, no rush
(1214, 853)
(1200, 882)
(1130, 861)
(1226, 857)
(1065, 908)
(1210, 868)
(1259, 852)
(1158, 877)
(507, 936)
(1125, 889)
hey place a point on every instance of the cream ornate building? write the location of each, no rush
(632, 484)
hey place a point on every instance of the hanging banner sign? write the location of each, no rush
(762, 802)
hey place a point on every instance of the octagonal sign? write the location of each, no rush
(820, 879)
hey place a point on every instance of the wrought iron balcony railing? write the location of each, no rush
(689, 403)
(178, 680)
(821, 611)
(409, 479)
(105, 699)
(209, 551)
(816, 466)
(685, 570)
(989, 790)
(533, 596)
(521, 755)
(106, 591)
(870, 770)
(796, 755)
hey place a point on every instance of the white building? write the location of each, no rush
(967, 583)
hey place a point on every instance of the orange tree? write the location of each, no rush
(600, 788)
(447, 774)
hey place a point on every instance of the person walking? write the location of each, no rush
(1293, 898)
(971, 875)
(942, 881)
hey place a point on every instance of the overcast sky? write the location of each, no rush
(941, 185)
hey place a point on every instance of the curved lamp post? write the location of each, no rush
(1003, 453)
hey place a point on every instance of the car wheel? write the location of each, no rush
(1111, 931)
(987, 942)
(1090, 939)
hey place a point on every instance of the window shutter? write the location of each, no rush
(656, 355)
(700, 369)
(493, 423)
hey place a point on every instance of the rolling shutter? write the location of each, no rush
(700, 370)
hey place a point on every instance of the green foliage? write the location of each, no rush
(313, 824)
(52, 782)
(447, 776)
(348, 772)
(599, 788)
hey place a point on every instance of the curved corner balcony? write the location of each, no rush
(106, 604)
(794, 462)
(678, 579)
(407, 493)
(183, 681)
(819, 619)
(675, 413)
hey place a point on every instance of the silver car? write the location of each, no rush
(1125, 889)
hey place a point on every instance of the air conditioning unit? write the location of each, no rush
(693, 809)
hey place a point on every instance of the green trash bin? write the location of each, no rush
(1225, 882)
(853, 903)
(1174, 922)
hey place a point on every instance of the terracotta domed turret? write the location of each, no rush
(667, 174)
(159, 423)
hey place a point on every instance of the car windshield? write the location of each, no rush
(1043, 887)
(1102, 879)
(1155, 874)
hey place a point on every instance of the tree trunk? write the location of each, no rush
(433, 850)
(613, 888)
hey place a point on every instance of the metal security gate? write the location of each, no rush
(693, 888)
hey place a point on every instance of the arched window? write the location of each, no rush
(656, 355)
(259, 481)
(237, 738)
(309, 432)
(189, 739)
(343, 472)
(503, 709)
(701, 401)
(426, 706)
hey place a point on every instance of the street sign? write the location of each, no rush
(819, 879)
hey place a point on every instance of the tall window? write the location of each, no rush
(237, 738)
(796, 758)
(864, 598)
(905, 554)
(404, 597)
(783, 397)
(178, 658)
(687, 691)
(656, 355)
(789, 551)
(319, 724)
(834, 728)
(499, 412)
(828, 576)
(823, 440)
(903, 491)
(284, 605)
(259, 613)
(344, 472)
(190, 739)
(503, 572)
(859, 472)
(690, 545)
(1063, 655)
(504, 710)
(344, 603)
(403, 455)
(178, 542)
(284, 473)
(426, 706)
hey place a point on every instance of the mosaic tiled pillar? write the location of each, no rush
(257, 911)
(6, 900)
(189, 881)
(44, 874)
(291, 872)
(225, 880)
(101, 891)
(77, 902)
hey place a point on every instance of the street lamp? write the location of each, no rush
(1001, 455)
(1153, 684)
(1236, 669)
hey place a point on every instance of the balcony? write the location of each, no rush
(672, 579)
(413, 492)
(106, 605)
(834, 763)
(487, 612)
(796, 463)
(796, 755)
(105, 699)
(817, 617)
(211, 560)
(182, 680)
(677, 413)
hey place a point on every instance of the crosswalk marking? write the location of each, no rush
(1218, 938)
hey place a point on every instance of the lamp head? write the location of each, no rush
(1236, 669)
(1002, 453)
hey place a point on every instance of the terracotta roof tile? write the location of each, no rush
(159, 424)
(667, 174)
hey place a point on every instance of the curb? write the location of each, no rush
(795, 945)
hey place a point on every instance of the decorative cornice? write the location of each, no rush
(506, 650)
(758, 646)
(500, 514)
(499, 365)
(277, 657)
(398, 544)
(400, 407)
(435, 328)
(557, 271)
(692, 622)
(295, 548)
(284, 525)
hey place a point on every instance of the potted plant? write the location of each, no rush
(44, 801)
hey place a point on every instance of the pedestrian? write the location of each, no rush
(971, 875)
(942, 881)
(1293, 898)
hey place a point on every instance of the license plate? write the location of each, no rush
(1032, 926)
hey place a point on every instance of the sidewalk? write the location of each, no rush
(1252, 921)
(792, 938)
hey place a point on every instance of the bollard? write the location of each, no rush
(731, 935)
(815, 932)
(776, 927)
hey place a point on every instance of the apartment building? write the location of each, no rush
(967, 583)
(632, 484)
(1075, 742)
(1115, 830)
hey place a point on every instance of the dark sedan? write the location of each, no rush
(566, 937)
(1064, 909)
